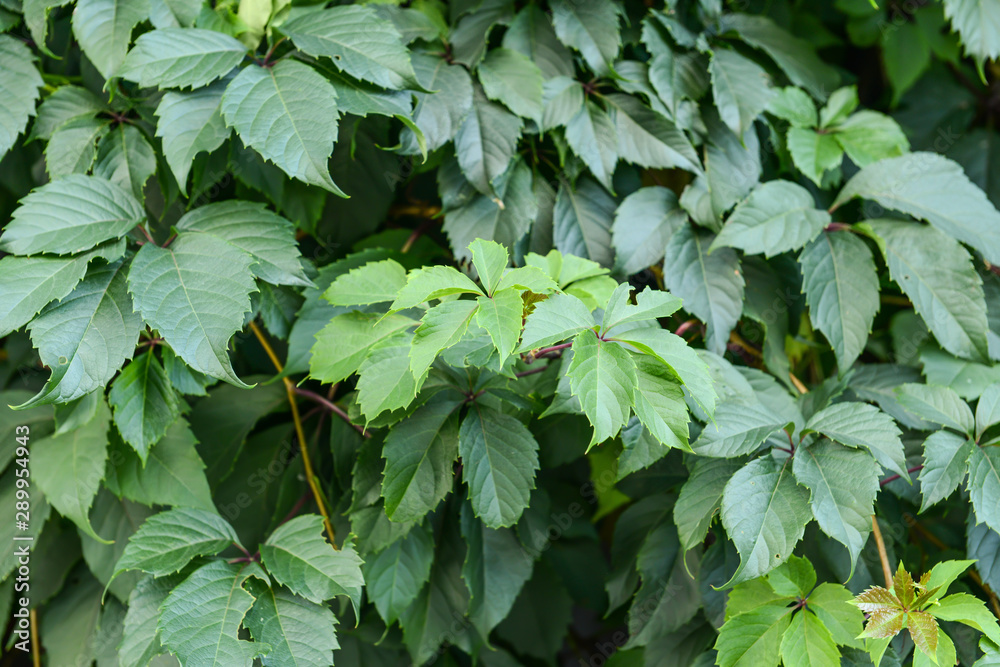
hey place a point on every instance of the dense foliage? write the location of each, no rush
(500, 332)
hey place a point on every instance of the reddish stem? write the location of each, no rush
(332, 407)
(893, 478)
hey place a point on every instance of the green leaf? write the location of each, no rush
(711, 284)
(531, 34)
(765, 514)
(528, 278)
(441, 327)
(701, 497)
(987, 409)
(933, 188)
(603, 376)
(500, 315)
(265, 236)
(975, 21)
(358, 41)
(514, 80)
(195, 293)
(967, 609)
(778, 216)
(649, 305)
(427, 283)
(288, 114)
(104, 30)
(171, 474)
(85, 337)
(831, 603)
(144, 403)
(189, 124)
(659, 403)
(843, 483)
(678, 77)
(754, 637)
(557, 318)
(200, 619)
(496, 568)
(28, 284)
(500, 459)
(592, 29)
(581, 223)
(168, 541)
(741, 88)
(298, 556)
(490, 260)
(814, 153)
(685, 362)
(68, 468)
(946, 457)
(386, 382)
(71, 215)
(868, 137)
(794, 105)
(940, 405)
(181, 58)
(73, 146)
(36, 18)
(983, 485)
(298, 631)
(562, 100)
(373, 282)
(591, 134)
(395, 576)
(140, 638)
(841, 288)
(644, 222)
(808, 642)
(865, 426)
(649, 139)
(343, 344)
(740, 428)
(66, 103)
(439, 114)
(486, 142)
(125, 158)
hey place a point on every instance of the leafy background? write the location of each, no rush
(224, 360)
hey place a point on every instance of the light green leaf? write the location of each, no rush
(104, 30)
(740, 428)
(701, 497)
(73, 146)
(342, 345)
(428, 283)
(386, 382)
(441, 327)
(591, 135)
(807, 642)
(68, 468)
(500, 459)
(649, 305)
(265, 236)
(496, 568)
(841, 288)
(200, 619)
(486, 142)
(946, 457)
(298, 556)
(374, 282)
(28, 284)
(298, 631)
(195, 293)
(71, 215)
(168, 541)
(125, 158)
(659, 403)
(85, 337)
(557, 318)
(940, 405)
(794, 105)
(967, 609)
(778, 216)
(581, 223)
(514, 80)
(931, 187)
(814, 153)
(592, 29)
(977, 22)
(288, 114)
(439, 114)
(188, 124)
(765, 514)
(644, 222)
(754, 637)
(66, 103)
(711, 284)
(937, 274)
(501, 316)
(861, 425)
(868, 137)
(983, 485)
(144, 403)
(528, 278)
(741, 88)
(172, 473)
(830, 602)
(359, 42)
(603, 376)
(181, 58)
(490, 260)
(843, 483)
(395, 576)
(649, 139)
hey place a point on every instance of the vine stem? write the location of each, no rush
(299, 432)
(882, 555)
(36, 650)
(893, 478)
(332, 407)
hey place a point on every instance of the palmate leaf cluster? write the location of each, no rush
(502, 333)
